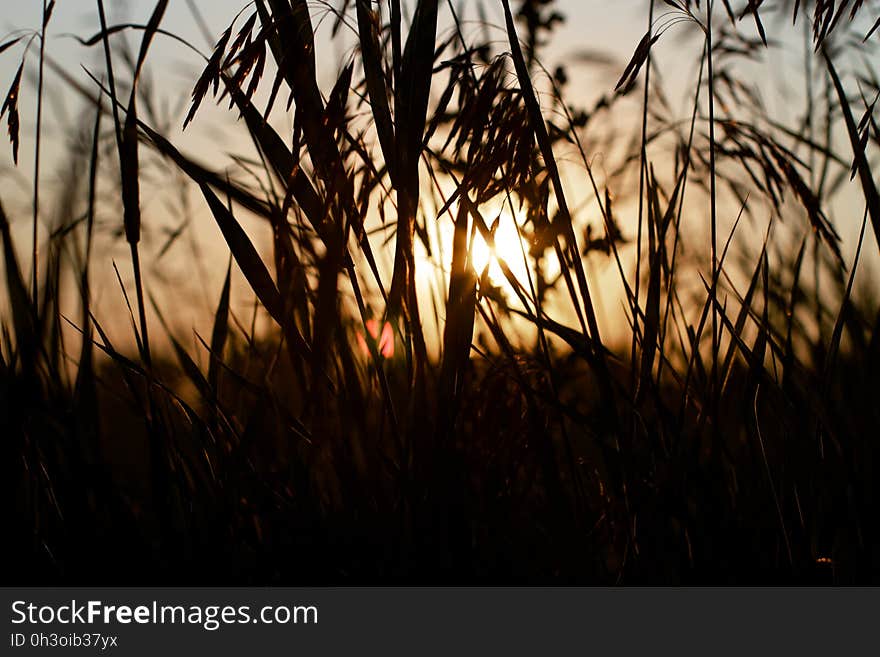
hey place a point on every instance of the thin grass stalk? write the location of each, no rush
(22, 317)
(643, 165)
(124, 145)
(38, 137)
(808, 91)
(85, 364)
(713, 216)
(862, 165)
(130, 175)
(396, 40)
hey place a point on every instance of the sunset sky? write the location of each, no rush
(592, 33)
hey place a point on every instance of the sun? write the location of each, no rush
(508, 247)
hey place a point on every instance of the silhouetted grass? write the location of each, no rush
(727, 435)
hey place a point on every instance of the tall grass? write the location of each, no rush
(477, 427)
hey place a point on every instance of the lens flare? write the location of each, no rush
(384, 342)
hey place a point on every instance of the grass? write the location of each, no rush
(363, 425)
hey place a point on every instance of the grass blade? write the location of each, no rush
(246, 256)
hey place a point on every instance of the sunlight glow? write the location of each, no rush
(384, 343)
(508, 246)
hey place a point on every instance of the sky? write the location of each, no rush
(592, 27)
(606, 29)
